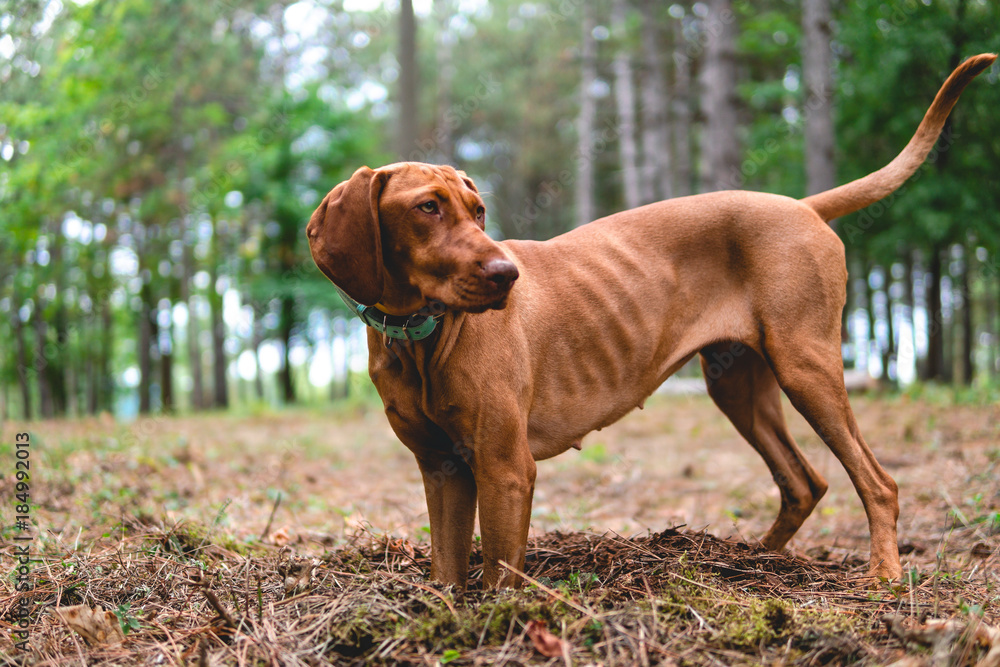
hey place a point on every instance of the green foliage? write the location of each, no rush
(894, 58)
(143, 132)
(190, 142)
(126, 620)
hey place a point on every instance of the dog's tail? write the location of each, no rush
(857, 194)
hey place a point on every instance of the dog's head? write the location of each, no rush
(407, 234)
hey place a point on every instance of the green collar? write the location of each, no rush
(417, 326)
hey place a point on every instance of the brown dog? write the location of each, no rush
(505, 375)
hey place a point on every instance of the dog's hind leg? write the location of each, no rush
(813, 378)
(743, 386)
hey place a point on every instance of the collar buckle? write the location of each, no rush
(413, 327)
(385, 332)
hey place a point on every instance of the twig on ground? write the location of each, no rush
(270, 519)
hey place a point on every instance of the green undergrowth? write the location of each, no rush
(696, 613)
(610, 600)
(981, 394)
(194, 543)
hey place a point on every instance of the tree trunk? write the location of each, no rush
(443, 133)
(90, 373)
(71, 386)
(193, 349)
(22, 362)
(625, 103)
(817, 74)
(46, 407)
(656, 140)
(290, 232)
(156, 355)
(872, 315)
(258, 380)
(584, 194)
(934, 367)
(908, 304)
(165, 344)
(995, 319)
(106, 379)
(57, 359)
(194, 359)
(968, 345)
(720, 145)
(220, 386)
(255, 342)
(889, 353)
(340, 387)
(145, 348)
(287, 321)
(907, 314)
(680, 123)
(938, 366)
(407, 142)
(856, 287)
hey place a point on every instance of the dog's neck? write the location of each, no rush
(423, 356)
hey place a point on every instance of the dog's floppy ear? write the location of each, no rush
(345, 237)
(467, 180)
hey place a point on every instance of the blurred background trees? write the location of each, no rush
(159, 161)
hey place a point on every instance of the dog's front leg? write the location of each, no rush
(505, 479)
(450, 487)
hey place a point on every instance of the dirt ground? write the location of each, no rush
(341, 476)
(678, 462)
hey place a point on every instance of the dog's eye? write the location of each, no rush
(429, 207)
(480, 212)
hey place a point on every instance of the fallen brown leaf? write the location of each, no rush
(981, 549)
(545, 642)
(403, 547)
(281, 537)
(942, 634)
(298, 574)
(96, 625)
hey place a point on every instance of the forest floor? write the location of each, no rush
(300, 537)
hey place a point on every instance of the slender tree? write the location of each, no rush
(444, 130)
(45, 401)
(656, 149)
(625, 104)
(165, 345)
(23, 364)
(968, 328)
(934, 368)
(189, 298)
(56, 362)
(817, 74)
(408, 107)
(681, 118)
(720, 148)
(993, 325)
(220, 384)
(584, 193)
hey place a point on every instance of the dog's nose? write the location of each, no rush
(500, 272)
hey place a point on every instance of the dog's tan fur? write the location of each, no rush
(596, 320)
